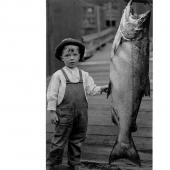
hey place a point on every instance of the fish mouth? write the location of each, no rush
(132, 23)
(133, 17)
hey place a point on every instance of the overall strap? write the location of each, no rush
(65, 75)
(81, 76)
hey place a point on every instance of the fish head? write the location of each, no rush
(132, 24)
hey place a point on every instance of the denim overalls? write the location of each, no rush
(72, 127)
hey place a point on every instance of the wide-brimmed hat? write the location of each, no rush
(69, 41)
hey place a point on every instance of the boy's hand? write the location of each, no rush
(104, 89)
(54, 117)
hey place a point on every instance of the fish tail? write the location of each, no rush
(125, 151)
(109, 89)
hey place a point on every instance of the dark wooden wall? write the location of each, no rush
(63, 20)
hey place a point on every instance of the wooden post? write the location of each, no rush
(98, 19)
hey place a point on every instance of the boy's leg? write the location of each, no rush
(77, 136)
(58, 142)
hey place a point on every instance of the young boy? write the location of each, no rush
(67, 103)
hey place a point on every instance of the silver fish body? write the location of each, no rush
(129, 79)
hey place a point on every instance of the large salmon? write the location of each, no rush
(129, 79)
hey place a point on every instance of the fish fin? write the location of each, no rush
(116, 42)
(147, 88)
(133, 127)
(125, 151)
(109, 89)
(115, 118)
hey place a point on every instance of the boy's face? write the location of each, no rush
(71, 56)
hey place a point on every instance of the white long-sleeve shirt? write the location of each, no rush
(57, 86)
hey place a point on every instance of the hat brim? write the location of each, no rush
(59, 49)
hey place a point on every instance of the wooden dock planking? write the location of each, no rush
(142, 143)
(107, 130)
(104, 152)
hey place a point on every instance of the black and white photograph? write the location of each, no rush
(99, 83)
(84, 85)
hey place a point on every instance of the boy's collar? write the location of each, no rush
(72, 69)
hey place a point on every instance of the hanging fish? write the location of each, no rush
(129, 79)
